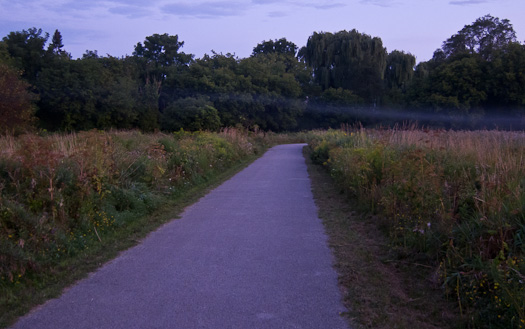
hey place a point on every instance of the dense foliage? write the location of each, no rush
(348, 76)
(453, 201)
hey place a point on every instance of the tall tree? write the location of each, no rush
(56, 45)
(348, 60)
(16, 102)
(159, 52)
(485, 36)
(399, 69)
(27, 50)
(158, 59)
(506, 80)
(398, 74)
(281, 46)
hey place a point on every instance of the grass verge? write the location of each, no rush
(381, 289)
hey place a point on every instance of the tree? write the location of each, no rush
(27, 50)
(281, 46)
(56, 45)
(456, 87)
(399, 69)
(348, 60)
(191, 114)
(67, 95)
(5, 58)
(159, 52)
(275, 86)
(506, 79)
(398, 75)
(16, 102)
(158, 60)
(485, 36)
(478, 71)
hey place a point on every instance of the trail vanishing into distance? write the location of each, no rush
(251, 254)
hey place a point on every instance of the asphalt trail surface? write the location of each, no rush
(250, 254)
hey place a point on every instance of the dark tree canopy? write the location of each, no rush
(16, 102)
(27, 50)
(486, 35)
(348, 60)
(281, 46)
(163, 50)
(399, 69)
(56, 45)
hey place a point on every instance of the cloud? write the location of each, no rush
(307, 4)
(265, 2)
(380, 3)
(329, 6)
(277, 14)
(129, 8)
(139, 3)
(206, 9)
(101, 3)
(130, 11)
(321, 5)
(467, 2)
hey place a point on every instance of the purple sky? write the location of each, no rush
(115, 26)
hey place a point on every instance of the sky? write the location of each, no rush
(114, 27)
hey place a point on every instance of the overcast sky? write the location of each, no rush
(236, 26)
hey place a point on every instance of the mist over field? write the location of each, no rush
(388, 117)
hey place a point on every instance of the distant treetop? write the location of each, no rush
(486, 35)
(281, 46)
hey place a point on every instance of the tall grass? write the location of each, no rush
(456, 199)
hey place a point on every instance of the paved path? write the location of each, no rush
(251, 254)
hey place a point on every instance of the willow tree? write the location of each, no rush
(399, 69)
(398, 74)
(348, 60)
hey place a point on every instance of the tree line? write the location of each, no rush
(342, 77)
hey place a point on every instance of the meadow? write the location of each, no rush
(452, 200)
